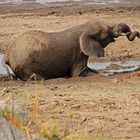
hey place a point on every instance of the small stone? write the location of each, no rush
(67, 99)
(76, 106)
(138, 74)
(65, 105)
(51, 12)
(92, 130)
(126, 119)
(69, 86)
(54, 88)
(9, 132)
(60, 112)
(84, 120)
(61, 95)
(115, 81)
(4, 91)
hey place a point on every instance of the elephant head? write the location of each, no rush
(118, 30)
(95, 39)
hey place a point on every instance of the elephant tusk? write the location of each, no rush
(128, 33)
(125, 34)
(122, 34)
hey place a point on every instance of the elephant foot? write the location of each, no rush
(88, 71)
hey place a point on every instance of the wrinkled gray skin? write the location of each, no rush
(63, 53)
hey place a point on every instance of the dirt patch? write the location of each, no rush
(104, 106)
(22, 18)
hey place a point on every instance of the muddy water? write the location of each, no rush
(111, 68)
(70, 1)
(2, 70)
(126, 66)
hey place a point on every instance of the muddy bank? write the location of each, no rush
(65, 10)
(18, 19)
(101, 106)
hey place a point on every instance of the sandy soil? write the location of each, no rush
(16, 20)
(103, 106)
(107, 107)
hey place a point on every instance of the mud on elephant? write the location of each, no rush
(63, 53)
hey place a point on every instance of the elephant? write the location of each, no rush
(62, 53)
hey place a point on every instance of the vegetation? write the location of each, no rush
(51, 134)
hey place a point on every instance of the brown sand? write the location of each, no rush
(16, 20)
(109, 106)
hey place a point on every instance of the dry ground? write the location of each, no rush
(103, 106)
(14, 23)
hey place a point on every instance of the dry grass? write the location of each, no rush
(35, 118)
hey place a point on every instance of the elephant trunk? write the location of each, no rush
(131, 35)
(124, 28)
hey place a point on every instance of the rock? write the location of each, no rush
(83, 120)
(19, 112)
(138, 74)
(115, 81)
(76, 106)
(9, 132)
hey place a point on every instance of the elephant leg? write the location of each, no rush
(88, 71)
(79, 64)
(80, 67)
(22, 73)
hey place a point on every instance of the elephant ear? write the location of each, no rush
(90, 46)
